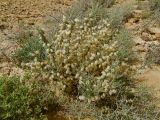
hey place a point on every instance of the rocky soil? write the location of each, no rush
(13, 13)
(146, 35)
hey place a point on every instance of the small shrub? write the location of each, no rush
(32, 46)
(19, 101)
(83, 61)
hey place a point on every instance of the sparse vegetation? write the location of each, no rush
(24, 53)
(86, 68)
(153, 56)
(124, 12)
(155, 4)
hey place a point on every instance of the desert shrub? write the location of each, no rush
(83, 62)
(32, 46)
(19, 101)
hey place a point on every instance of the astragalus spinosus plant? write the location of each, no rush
(82, 62)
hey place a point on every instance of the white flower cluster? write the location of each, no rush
(83, 53)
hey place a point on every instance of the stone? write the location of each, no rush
(157, 35)
(147, 37)
(139, 41)
(3, 26)
(132, 20)
(87, 119)
(154, 30)
(137, 13)
(141, 48)
(81, 98)
(131, 26)
(152, 42)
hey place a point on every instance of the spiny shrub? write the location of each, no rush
(19, 101)
(83, 62)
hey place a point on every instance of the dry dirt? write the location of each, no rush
(16, 13)
(35, 12)
(30, 12)
(151, 78)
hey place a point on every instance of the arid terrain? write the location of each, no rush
(35, 14)
(16, 13)
(13, 13)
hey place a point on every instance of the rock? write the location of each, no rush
(154, 30)
(154, 37)
(87, 119)
(132, 20)
(128, 25)
(137, 13)
(81, 98)
(131, 26)
(147, 37)
(3, 26)
(157, 35)
(139, 41)
(140, 48)
(151, 43)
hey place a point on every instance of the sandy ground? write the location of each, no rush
(15, 11)
(14, 14)
(30, 12)
(151, 78)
